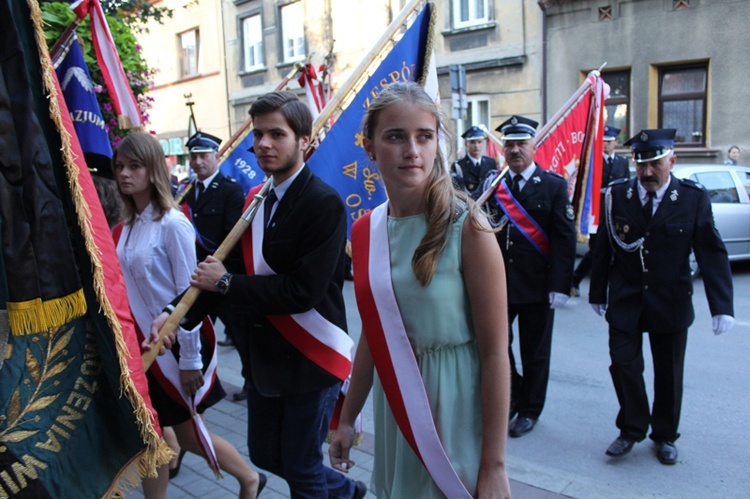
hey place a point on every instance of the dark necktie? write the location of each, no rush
(610, 160)
(268, 206)
(516, 188)
(199, 187)
(648, 208)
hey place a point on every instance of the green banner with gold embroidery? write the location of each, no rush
(75, 418)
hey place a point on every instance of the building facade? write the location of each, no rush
(670, 64)
(497, 42)
(188, 51)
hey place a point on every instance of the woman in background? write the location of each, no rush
(445, 275)
(733, 156)
(156, 248)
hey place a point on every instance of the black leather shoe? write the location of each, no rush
(240, 395)
(620, 447)
(522, 426)
(666, 452)
(360, 489)
(225, 343)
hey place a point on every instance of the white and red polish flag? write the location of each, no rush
(308, 80)
(123, 99)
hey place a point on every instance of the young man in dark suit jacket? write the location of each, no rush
(291, 396)
(614, 167)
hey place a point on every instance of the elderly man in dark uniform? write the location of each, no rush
(470, 171)
(538, 245)
(614, 166)
(641, 280)
(214, 205)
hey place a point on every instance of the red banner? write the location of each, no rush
(563, 148)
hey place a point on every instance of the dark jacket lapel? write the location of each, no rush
(286, 205)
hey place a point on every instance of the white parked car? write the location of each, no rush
(729, 189)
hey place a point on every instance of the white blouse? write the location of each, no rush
(157, 259)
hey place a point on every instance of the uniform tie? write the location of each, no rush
(648, 208)
(516, 187)
(268, 206)
(199, 187)
(610, 160)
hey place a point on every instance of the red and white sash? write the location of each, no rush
(392, 352)
(522, 220)
(166, 370)
(317, 338)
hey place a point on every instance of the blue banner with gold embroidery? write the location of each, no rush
(340, 160)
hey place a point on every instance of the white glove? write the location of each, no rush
(599, 308)
(721, 323)
(557, 300)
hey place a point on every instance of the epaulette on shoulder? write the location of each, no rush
(692, 183)
(555, 174)
(618, 181)
(231, 179)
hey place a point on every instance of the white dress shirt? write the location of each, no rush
(643, 194)
(525, 176)
(157, 259)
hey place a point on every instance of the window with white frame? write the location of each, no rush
(252, 43)
(189, 46)
(469, 13)
(292, 32)
(477, 112)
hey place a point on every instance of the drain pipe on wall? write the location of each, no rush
(543, 6)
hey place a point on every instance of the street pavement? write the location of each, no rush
(564, 455)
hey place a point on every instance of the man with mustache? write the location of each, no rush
(538, 244)
(641, 280)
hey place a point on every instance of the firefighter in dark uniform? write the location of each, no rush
(614, 166)
(214, 204)
(641, 282)
(538, 268)
(470, 171)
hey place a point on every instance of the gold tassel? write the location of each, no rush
(37, 316)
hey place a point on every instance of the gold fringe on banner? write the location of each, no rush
(428, 50)
(157, 452)
(37, 316)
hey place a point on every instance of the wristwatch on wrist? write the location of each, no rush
(223, 283)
